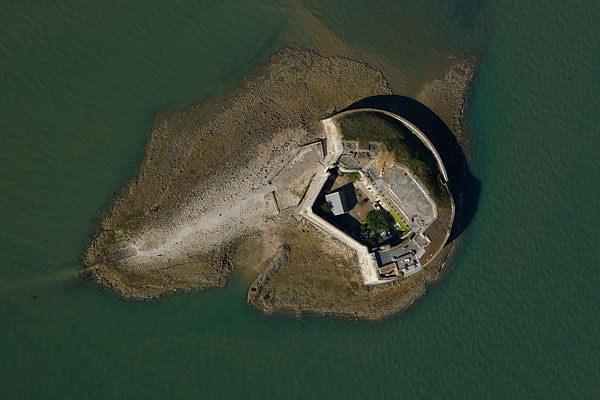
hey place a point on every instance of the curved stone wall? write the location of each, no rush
(416, 131)
(427, 143)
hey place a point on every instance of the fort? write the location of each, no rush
(382, 184)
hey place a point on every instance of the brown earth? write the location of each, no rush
(447, 96)
(437, 232)
(321, 275)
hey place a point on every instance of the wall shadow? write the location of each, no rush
(465, 187)
(344, 222)
(350, 194)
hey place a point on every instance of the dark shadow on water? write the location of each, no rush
(465, 187)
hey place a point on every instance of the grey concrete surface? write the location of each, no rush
(412, 196)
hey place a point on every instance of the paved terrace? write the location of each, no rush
(408, 195)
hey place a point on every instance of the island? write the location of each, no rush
(333, 205)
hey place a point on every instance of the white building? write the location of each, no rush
(338, 202)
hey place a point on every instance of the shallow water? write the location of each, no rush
(517, 316)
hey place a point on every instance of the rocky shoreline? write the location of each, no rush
(200, 206)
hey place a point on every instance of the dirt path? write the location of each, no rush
(218, 225)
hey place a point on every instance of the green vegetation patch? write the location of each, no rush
(353, 176)
(403, 227)
(379, 221)
(408, 149)
(326, 207)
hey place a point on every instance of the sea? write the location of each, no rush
(517, 315)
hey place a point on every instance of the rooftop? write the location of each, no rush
(338, 202)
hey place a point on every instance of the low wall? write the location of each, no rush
(367, 262)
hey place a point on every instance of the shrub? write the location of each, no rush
(354, 176)
(379, 221)
(326, 207)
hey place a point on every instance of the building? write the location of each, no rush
(338, 202)
(411, 269)
(402, 260)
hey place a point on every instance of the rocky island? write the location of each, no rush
(337, 206)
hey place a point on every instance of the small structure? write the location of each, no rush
(338, 202)
(411, 269)
(388, 271)
(402, 260)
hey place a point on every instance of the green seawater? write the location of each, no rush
(518, 314)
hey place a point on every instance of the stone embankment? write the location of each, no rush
(262, 279)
